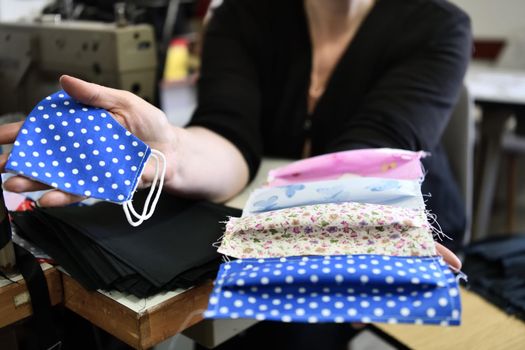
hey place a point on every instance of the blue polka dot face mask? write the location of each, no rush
(340, 288)
(82, 150)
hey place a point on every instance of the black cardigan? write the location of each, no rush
(395, 85)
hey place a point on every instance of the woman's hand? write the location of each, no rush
(138, 116)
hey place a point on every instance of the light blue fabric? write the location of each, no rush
(355, 288)
(78, 149)
(400, 193)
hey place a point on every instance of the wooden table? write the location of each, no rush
(141, 323)
(483, 327)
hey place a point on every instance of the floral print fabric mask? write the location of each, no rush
(329, 229)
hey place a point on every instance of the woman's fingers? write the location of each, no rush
(54, 198)
(94, 94)
(58, 198)
(8, 132)
(450, 258)
(3, 161)
(20, 184)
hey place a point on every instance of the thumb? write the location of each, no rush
(93, 94)
(450, 258)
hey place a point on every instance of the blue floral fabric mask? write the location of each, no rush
(399, 193)
(84, 151)
(339, 288)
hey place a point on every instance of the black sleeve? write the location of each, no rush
(410, 105)
(229, 98)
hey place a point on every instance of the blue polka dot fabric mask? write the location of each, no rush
(84, 151)
(339, 288)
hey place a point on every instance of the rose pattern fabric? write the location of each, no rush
(329, 229)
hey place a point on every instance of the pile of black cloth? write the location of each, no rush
(496, 270)
(97, 246)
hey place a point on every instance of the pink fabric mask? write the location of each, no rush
(376, 162)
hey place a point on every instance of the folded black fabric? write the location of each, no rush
(496, 270)
(98, 247)
(42, 234)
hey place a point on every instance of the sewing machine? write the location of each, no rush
(34, 55)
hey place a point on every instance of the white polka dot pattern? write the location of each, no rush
(349, 288)
(78, 149)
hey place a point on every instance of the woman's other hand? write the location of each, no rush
(450, 258)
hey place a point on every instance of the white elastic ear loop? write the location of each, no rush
(145, 216)
(157, 183)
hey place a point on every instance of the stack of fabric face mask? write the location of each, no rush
(342, 237)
